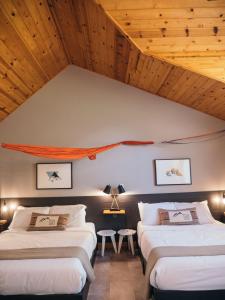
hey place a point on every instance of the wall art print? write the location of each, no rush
(173, 171)
(54, 176)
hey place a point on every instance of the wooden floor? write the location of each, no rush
(118, 277)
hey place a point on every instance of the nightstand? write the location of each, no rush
(3, 225)
(114, 219)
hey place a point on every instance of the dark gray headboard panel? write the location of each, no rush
(96, 204)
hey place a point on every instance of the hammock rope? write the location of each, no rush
(197, 138)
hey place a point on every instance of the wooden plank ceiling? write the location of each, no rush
(39, 38)
(186, 33)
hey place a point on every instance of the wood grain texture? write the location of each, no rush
(181, 32)
(118, 277)
(38, 39)
(188, 36)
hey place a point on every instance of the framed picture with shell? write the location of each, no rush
(173, 171)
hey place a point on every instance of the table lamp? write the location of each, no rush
(115, 203)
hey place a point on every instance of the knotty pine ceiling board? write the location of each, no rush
(40, 38)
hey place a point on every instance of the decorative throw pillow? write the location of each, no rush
(46, 222)
(202, 209)
(187, 216)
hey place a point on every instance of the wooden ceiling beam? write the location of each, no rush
(167, 13)
(152, 4)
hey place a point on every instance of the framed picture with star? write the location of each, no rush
(54, 176)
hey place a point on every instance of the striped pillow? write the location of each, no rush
(187, 216)
(46, 222)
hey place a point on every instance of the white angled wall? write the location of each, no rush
(82, 109)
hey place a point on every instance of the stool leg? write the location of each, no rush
(103, 245)
(114, 243)
(131, 244)
(128, 242)
(120, 243)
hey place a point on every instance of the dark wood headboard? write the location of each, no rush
(96, 204)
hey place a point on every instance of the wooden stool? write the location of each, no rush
(129, 233)
(107, 233)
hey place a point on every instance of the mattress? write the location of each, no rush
(185, 273)
(45, 276)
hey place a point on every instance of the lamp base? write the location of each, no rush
(114, 205)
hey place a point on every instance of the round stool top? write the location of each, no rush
(126, 232)
(108, 232)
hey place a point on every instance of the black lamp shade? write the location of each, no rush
(121, 189)
(107, 189)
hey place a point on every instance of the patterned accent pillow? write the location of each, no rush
(46, 222)
(187, 216)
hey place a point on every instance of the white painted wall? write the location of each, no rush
(82, 109)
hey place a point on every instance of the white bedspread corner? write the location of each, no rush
(48, 276)
(185, 273)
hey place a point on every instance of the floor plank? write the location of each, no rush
(118, 277)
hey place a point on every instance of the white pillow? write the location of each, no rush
(202, 209)
(76, 213)
(149, 211)
(22, 216)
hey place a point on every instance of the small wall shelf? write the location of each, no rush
(114, 212)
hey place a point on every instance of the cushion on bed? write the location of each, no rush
(187, 216)
(149, 211)
(46, 222)
(77, 213)
(203, 212)
(22, 216)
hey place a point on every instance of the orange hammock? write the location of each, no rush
(69, 153)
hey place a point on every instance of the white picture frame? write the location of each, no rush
(173, 171)
(54, 176)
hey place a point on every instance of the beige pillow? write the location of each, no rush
(46, 222)
(186, 216)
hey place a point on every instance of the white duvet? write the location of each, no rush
(185, 273)
(45, 276)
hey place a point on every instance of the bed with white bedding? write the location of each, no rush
(188, 273)
(180, 278)
(50, 276)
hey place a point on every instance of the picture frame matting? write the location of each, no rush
(54, 176)
(173, 171)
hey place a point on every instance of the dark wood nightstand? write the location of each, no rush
(3, 225)
(114, 219)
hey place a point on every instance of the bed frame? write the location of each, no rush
(80, 296)
(158, 294)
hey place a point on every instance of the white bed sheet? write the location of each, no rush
(45, 276)
(185, 273)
